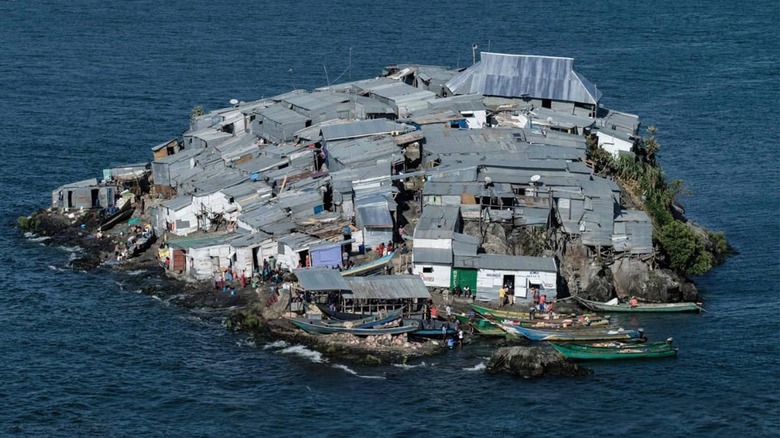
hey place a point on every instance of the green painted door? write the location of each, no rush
(464, 277)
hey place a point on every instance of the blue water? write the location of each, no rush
(88, 84)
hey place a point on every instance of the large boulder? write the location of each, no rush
(599, 283)
(532, 362)
(635, 278)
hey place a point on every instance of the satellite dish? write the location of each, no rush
(536, 178)
(234, 102)
(488, 180)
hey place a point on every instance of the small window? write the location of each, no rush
(427, 269)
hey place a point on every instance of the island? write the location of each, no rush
(426, 183)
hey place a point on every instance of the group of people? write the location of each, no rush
(383, 249)
(465, 292)
(506, 295)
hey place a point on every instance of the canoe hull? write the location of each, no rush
(571, 336)
(638, 351)
(640, 308)
(321, 329)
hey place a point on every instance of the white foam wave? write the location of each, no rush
(136, 272)
(70, 248)
(157, 298)
(408, 367)
(275, 344)
(248, 342)
(349, 370)
(54, 268)
(35, 238)
(478, 367)
(300, 350)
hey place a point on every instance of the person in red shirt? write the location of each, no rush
(633, 302)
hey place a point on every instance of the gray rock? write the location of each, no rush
(532, 362)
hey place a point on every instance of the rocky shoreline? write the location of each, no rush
(245, 309)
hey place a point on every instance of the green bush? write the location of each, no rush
(685, 250)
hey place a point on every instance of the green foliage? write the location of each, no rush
(720, 247)
(685, 250)
(24, 222)
(197, 111)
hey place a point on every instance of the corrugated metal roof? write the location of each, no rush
(463, 244)
(541, 77)
(439, 256)
(317, 279)
(316, 101)
(178, 203)
(364, 150)
(251, 239)
(387, 287)
(362, 128)
(549, 117)
(203, 241)
(374, 216)
(506, 263)
(281, 114)
(262, 216)
(619, 121)
(598, 222)
(469, 141)
(579, 167)
(462, 103)
(438, 217)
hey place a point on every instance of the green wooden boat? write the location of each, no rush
(617, 351)
(524, 319)
(481, 326)
(614, 306)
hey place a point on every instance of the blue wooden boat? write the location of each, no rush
(112, 216)
(432, 329)
(369, 321)
(318, 327)
(574, 335)
(370, 268)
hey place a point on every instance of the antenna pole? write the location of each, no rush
(326, 74)
(350, 65)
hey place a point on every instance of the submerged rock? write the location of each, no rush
(532, 362)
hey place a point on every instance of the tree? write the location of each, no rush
(686, 252)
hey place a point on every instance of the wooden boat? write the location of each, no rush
(113, 215)
(482, 327)
(368, 321)
(572, 335)
(515, 317)
(318, 327)
(432, 329)
(614, 306)
(342, 316)
(370, 268)
(623, 351)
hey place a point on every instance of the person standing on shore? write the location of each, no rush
(501, 296)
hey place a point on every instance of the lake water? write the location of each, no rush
(88, 84)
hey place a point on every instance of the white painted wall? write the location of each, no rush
(489, 281)
(440, 277)
(612, 144)
(433, 243)
(200, 264)
(477, 120)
